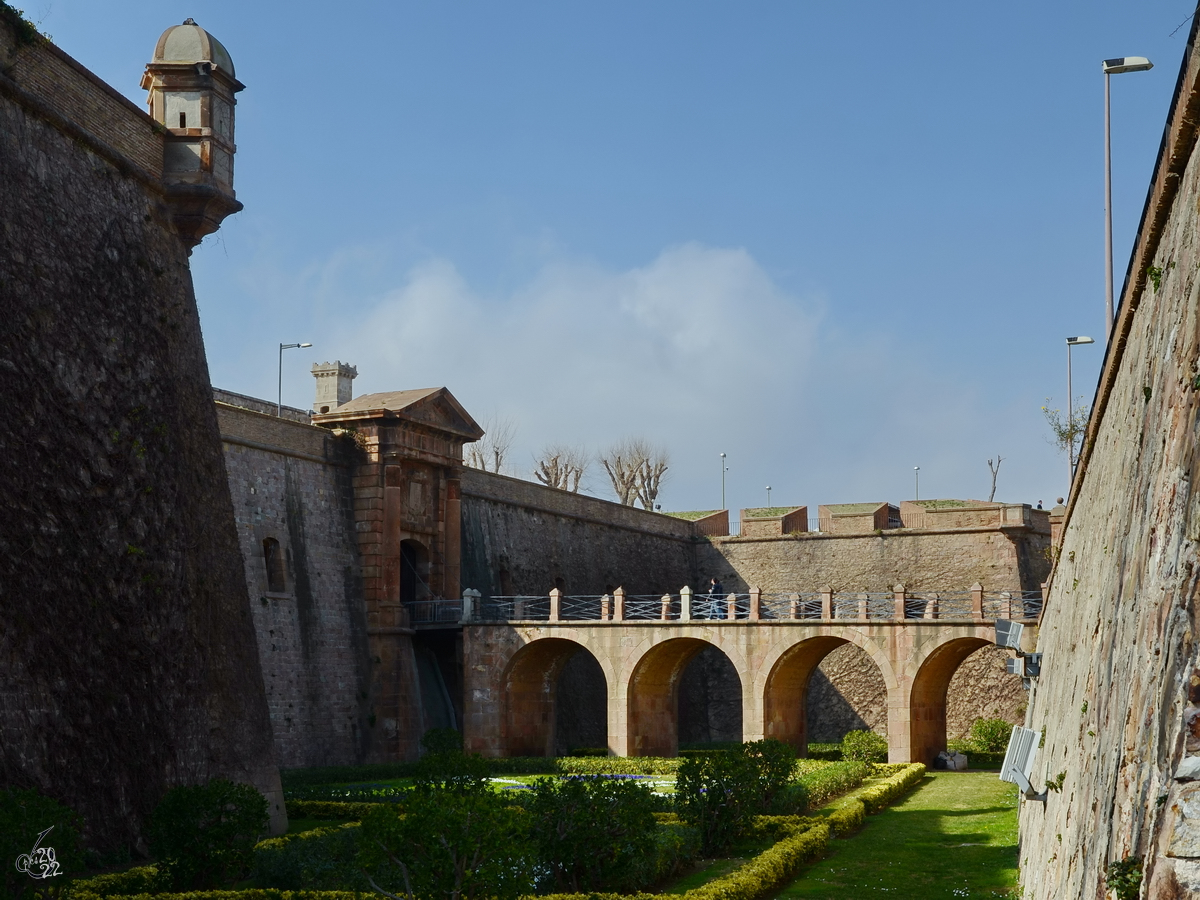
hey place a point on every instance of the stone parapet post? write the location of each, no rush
(755, 604)
(685, 604)
(470, 605)
(555, 605)
(605, 608)
(977, 600)
(793, 606)
(901, 595)
(827, 602)
(665, 612)
(731, 606)
(619, 605)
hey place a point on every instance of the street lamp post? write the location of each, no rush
(1072, 342)
(917, 479)
(768, 496)
(723, 471)
(279, 397)
(1113, 67)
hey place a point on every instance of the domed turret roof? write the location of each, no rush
(191, 43)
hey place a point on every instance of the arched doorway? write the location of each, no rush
(653, 699)
(530, 684)
(927, 701)
(414, 571)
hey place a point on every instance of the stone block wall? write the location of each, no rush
(953, 559)
(290, 484)
(1118, 701)
(128, 661)
(519, 538)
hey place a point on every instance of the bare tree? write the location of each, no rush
(995, 469)
(636, 471)
(562, 467)
(490, 451)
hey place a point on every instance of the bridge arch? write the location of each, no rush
(927, 696)
(530, 695)
(653, 694)
(784, 682)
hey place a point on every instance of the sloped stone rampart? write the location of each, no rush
(127, 654)
(1119, 696)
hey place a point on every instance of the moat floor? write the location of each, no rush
(954, 836)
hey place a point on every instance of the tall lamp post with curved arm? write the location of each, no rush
(1072, 342)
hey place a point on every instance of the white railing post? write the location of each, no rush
(793, 606)
(731, 606)
(755, 604)
(827, 602)
(619, 605)
(685, 604)
(555, 604)
(900, 595)
(666, 607)
(605, 608)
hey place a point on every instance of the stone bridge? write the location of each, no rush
(515, 647)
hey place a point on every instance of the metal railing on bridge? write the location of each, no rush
(974, 604)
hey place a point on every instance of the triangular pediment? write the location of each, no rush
(434, 408)
(441, 411)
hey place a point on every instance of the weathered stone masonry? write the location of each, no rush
(1118, 700)
(127, 651)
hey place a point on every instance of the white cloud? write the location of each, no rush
(701, 352)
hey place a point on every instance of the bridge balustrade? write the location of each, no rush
(862, 606)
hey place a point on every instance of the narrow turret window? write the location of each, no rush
(183, 120)
(273, 559)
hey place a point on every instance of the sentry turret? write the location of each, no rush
(192, 84)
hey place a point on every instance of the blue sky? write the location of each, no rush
(834, 241)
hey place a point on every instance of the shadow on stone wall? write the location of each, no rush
(581, 713)
(710, 699)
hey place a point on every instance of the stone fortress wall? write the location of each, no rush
(127, 660)
(1118, 699)
(290, 482)
(522, 538)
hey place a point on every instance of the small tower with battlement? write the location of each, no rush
(335, 385)
(191, 86)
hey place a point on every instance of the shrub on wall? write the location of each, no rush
(204, 835)
(864, 746)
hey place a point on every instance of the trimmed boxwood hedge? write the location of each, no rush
(329, 810)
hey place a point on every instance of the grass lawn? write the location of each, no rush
(955, 835)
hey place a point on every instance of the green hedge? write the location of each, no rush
(618, 765)
(877, 796)
(829, 752)
(848, 818)
(833, 780)
(321, 859)
(516, 765)
(329, 809)
(139, 880)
